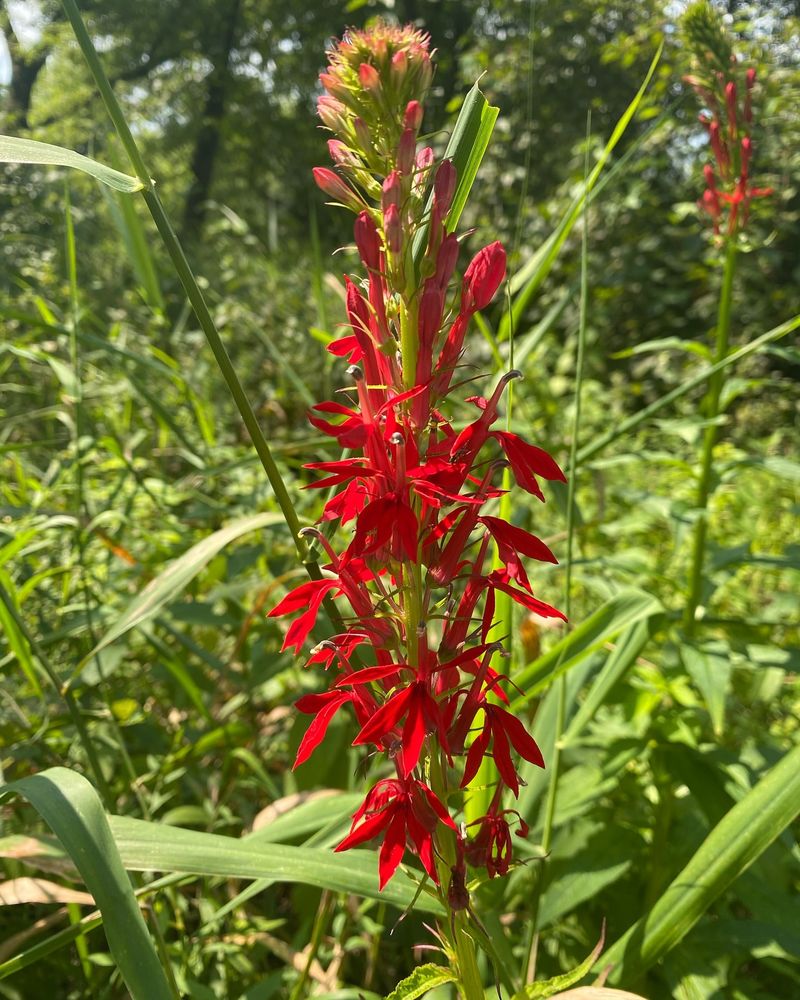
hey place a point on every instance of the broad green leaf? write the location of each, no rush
(14, 150)
(72, 809)
(550, 987)
(147, 846)
(740, 837)
(167, 585)
(422, 979)
(629, 645)
(709, 666)
(467, 145)
(623, 610)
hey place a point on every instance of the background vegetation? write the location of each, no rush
(121, 450)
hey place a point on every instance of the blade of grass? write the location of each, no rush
(155, 847)
(742, 835)
(467, 145)
(169, 583)
(73, 810)
(527, 280)
(14, 150)
(588, 451)
(554, 765)
(196, 298)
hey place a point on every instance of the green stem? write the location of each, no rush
(712, 410)
(192, 289)
(462, 942)
(529, 963)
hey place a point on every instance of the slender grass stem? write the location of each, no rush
(189, 283)
(561, 705)
(711, 407)
(67, 697)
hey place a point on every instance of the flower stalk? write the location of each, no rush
(413, 574)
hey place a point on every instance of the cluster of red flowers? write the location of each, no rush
(729, 189)
(416, 576)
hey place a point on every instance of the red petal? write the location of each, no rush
(518, 539)
(476, 753)
(370, 828)
(502, 755)
(369, 674)
(521, 739)
(413, 732)
(316, 731)
(301, 596)
(393, 849)
(386, 718)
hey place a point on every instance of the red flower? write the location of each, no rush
(405, 810)
(491, 847)
(504, 730)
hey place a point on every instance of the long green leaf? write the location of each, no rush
(155, 847)
(623, 610)
(740, 837)
(467, 145)
(14, 150)
(550, 987)
(527, 280)
(72, 808)
(167, 585)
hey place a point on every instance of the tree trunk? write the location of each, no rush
(207, 144)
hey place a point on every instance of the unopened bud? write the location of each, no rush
(333, 185)
(341, 154)
(367, 240)
(369, 78)
(444, 186)
(412, 117)
(446, 260)
(406, 149)
(730, 101)
(393, 228)
(391, 191)
(483, 276)
(331, 112)
(399, 65)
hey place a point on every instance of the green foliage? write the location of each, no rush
(133, 509)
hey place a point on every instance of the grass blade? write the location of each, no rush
(73, 810)
(527, 280)
(740, 837)
(467, 145)
(14, 150)
(168, 584)
(155, 847)
(623, 610)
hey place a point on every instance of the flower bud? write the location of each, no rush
(391, 191)
(333, 185)
(369, 78)
(483, 276)
(430, 313)
(363, 137)
(406, 149)
(399, 65)
(730, 102)
(341, 154)
(393, 228)
(367, 241)
(444, 186)
(412, 118)
(331, 112)
(446, 260)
